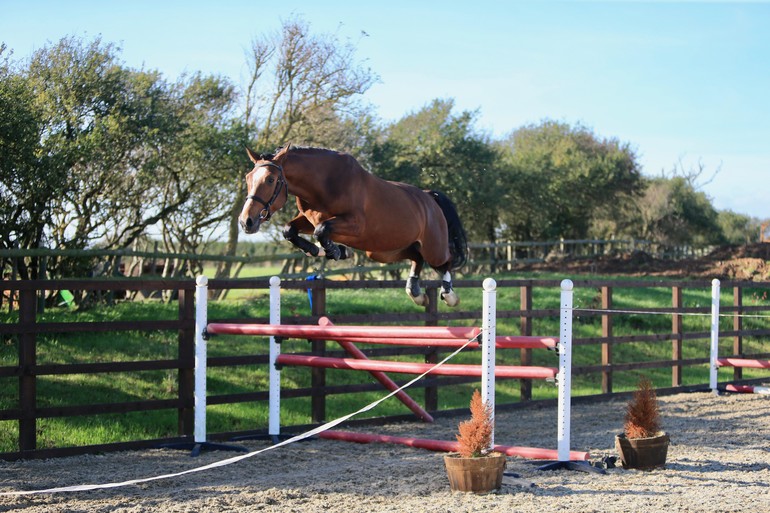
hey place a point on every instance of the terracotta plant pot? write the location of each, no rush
(643, 453)
(475, 474)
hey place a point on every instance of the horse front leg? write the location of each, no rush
(291, 233)
(413, 284)
(332, 250)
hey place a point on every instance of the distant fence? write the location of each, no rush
(490, 257)
(23, 335)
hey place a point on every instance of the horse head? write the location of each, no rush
(266, 192)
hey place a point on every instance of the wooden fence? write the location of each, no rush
(152, 263)
(24, 333)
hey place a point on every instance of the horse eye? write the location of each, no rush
(270, 180)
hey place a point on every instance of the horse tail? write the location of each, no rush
(458, 243)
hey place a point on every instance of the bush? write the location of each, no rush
(642, 415)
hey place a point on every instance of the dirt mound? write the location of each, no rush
(747, 262)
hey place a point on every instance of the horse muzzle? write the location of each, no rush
(249, 225)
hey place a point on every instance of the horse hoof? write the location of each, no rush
(450, 298)
(421, 300)
(333, 252)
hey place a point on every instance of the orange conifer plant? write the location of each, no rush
(475, 434)
(642, 415)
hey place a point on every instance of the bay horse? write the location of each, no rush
(343, 205)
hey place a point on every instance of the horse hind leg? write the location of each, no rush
(448, 295)
(447, 292)
(413, 285)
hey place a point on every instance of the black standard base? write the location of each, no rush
(579, 466)
(195, 448)
(274, 439)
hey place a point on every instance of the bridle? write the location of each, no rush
(265, 213)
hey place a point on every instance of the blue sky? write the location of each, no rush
(685, 83)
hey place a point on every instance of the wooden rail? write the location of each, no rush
(25, 330)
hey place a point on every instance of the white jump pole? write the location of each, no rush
(488, 333)
(274, 401)
(713, 370)
(201, 320)
(565, 372)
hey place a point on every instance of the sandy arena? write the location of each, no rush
(719, 461)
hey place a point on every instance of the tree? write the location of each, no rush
(23, 193)
(103, 154)
(562, 179)
(26, 187)
(738, 228)
(436, 149)
(302, 88)
(100, 124)
(199, 162)
(673, 213)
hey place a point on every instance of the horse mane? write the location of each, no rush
(293, 148)
(283, 151)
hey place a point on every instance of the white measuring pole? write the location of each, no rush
(274, 400)
(201, 320)
(713, 370)
(565, 371)
(488, 333)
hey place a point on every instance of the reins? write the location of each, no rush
(265, 213)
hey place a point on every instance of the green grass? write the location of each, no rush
(70, 390)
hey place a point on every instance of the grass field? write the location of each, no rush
(68, 390)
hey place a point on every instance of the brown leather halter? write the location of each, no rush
(265, 213)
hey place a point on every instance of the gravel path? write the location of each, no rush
(719, 460)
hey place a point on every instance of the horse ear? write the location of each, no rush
(253, 156)
(280, 152)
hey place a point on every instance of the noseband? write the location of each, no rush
(265, 213)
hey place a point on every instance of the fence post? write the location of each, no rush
(274, 401)
(676, 339)
(525, 329)
(488, 348)
(607, 337)
(714, 335)
(565, 371)
(201, 320)
(14, 275)
(431, 391)
(318, 348)
(27, 361)
(186, 356)
(42, 276)
(738, 327)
